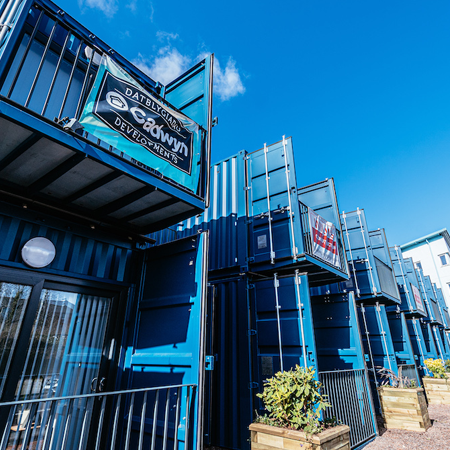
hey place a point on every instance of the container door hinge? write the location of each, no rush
(253, 385)
(251, 286)
(252, 332)
(250, 259)
(209, 362)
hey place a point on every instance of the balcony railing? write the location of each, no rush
(150, 418)
(308, 240)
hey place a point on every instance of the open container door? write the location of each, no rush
(192, 93)
(169, 339)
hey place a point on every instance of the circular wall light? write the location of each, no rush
(38, 252)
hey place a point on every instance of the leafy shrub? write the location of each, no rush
(447, 365)
(293, 400)
(436, 366)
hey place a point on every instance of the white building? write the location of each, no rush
(432, 254)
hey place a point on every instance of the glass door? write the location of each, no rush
(55, 347)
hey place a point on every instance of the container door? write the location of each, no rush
(191, 93)
(273, 205)
(169, 342)
(284, 325)
(54, 340)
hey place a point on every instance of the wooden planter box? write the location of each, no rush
(404, 409)
(438, 390)
(266, 437)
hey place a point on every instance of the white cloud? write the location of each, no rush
(132, 6)
(227, 83)
(164, 35)
(108, 7)
(168, 65)
(152, 12)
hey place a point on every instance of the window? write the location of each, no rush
(445, 259)
(419, 265)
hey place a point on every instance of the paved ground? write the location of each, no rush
(436, 438)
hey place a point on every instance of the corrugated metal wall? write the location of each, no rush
(78, 252)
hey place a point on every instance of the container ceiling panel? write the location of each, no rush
(42, 166)
(109, 192)
(81, 176)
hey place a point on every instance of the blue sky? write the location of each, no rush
(361, 86)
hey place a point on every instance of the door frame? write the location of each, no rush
(43, 280)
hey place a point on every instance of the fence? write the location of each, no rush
(348, 393)
(147, 418)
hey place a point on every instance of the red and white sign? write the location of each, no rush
(324, 241)
(417, 298)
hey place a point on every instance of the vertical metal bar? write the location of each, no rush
(188, 413)
(404, 279)
(269, 213)
(276, 284)
(350, 253)
(438, 342)
(100, 424)
(430, 311)
(8, 16)
(419, 344)
(83, 88)
(84, 428)
(116, 422)
(166, 419)
(142, 427)
(129, 422)
(300, 315)
(363, 313)
(177, 419)
(25, 54)
(67, 424)
(27, 435)
(291, 220)
(155, 420)
(69, 81)
(374, 289)
(52, 84)
(41, 63)
(48, 426)
(383, 334)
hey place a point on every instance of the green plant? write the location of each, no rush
(293, 400)
(436, 366)
(393, 380)
(447, 365)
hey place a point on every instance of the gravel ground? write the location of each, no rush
(436, 438)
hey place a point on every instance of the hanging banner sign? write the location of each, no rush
(324, 240)
(417, 298)
(122, 113)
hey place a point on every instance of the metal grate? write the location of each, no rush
(348, 393)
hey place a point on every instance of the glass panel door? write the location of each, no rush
(13, 301)
(65, 348)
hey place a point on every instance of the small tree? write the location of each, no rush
(293, 400)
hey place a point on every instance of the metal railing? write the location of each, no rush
(150, 418)
(308, 239)
(53, 67)
(351, 404)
